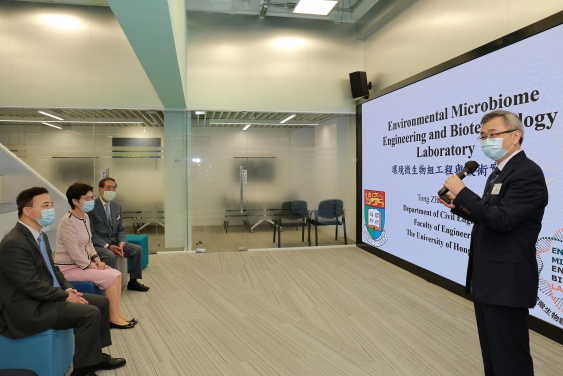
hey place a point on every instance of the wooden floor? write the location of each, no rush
(331, 311)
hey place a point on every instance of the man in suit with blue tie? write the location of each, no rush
(35, 296)
(502, 271)
(108, 234)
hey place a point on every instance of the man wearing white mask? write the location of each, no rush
(502, 272)
(35, 296)
(108, 234)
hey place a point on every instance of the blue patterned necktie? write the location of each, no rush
(107, 212)
(491, 180)
(47, 260)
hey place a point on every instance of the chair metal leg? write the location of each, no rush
(303, 232)
(336, 233)
(316, 234)
(275, 226)
(227, 229)
(309, 231)
(279, 235)
(344, 225)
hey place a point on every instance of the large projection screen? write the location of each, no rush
(414, 137)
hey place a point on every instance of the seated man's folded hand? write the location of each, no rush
(118, 251)
(75, 297)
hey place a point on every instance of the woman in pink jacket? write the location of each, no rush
(77, 259)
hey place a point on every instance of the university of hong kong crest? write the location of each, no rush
(374, 218)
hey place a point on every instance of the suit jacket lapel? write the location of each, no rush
(114, 213)
(33, 242)
(507, 170)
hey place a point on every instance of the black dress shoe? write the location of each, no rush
(133, 321)
(136, 286)
(129, 325)
(108, 363)
(86, 371)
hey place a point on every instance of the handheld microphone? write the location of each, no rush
(469, 168)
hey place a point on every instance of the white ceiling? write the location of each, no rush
(253, 7)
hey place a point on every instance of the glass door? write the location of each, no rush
(218, 201)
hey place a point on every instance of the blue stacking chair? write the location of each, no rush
(48, 353)
(143, 241)
(87, 288)
(328, 214)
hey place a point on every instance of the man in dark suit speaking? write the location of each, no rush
(502, 271)
(108, 234)
(35, 296)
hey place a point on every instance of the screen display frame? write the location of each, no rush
(546, 329)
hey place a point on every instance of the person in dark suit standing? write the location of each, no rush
(108, 234)
(502, 272)
(35, 296)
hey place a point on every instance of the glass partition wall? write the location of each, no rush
(257, 183)
(219, 181)
(65, 146)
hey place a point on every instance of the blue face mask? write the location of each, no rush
(47, 217)
(88, 206)
(492, 148)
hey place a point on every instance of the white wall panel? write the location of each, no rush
(333, 53)
(433, 31)
(117, 78)
(4, 52)
(406, 46)
(60, 55)
(49, 64)
(279, 64)
(465, 25)
(218, 61)
(273, 64)
(522, 13)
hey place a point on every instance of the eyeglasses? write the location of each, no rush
(108, 188)
(91, 198)
(494, 135)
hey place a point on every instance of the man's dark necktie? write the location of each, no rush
(491, 181)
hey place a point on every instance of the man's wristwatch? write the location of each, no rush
(106, 246)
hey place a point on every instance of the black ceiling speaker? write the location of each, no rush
(359, 84)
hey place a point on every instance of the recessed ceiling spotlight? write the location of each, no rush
(51, 125)
(288, 118)
(199, 112)
(316, 7)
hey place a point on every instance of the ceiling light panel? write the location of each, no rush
(61, 22)
(289, 43)
(50, 114)
(288, 118)
(51, 125)
(316, 7)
